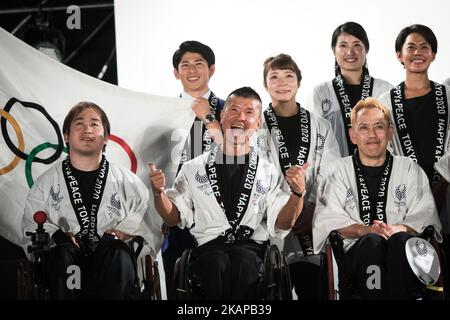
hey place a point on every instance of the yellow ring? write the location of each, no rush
(16, 128)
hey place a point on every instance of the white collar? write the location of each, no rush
(187, 96)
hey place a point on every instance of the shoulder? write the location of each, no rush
(406, 164)
(382, 84)
(341, 164)
(50, 174)
(385, 98)
(221, 103)
(123, 174)
(199, 161)
(319, 120)
(323, 87)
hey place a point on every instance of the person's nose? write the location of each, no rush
(192, 68)
(371, 132)
(241, 116)
(87, 128)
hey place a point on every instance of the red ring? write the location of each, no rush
(127, 149)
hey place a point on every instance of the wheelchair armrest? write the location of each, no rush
(337, 245)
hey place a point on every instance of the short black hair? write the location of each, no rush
(424, 31)
(196, 47)
(281, 62)
(245, 92)
(352, 28)
(78, 109)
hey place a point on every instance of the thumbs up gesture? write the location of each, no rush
(157, 179)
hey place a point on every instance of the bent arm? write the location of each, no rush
(289, 213)
(166, 209)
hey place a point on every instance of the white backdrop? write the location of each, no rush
(243, 33)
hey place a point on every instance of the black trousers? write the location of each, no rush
(378, 268)
(229, 271)
(109, 272)
(309, 280)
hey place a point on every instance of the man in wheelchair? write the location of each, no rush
(231, 200)
(92, 206)
(376, 202)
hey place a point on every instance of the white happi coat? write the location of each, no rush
(409, 201)
(443, 167)
(199, 210)
(324, 102)
(323, 151)
(123, 206)
(446, 82)
(385, 99)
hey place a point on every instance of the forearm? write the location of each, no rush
(402, 228)
(166, 209)
(289, 213)
(354, 231)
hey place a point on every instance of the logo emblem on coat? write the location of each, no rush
(400, 195)
(350, 199)
(260, 188)
(320, 143)
(326, 105)
(114, 205)
(56, 199)
(203, 181)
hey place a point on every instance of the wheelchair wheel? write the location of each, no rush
(276, 278)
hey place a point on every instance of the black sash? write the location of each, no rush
(345, 103)
(367, 211)
(406, 141)
(236, 232)
(198, 133)
(304, 144)
(213, 103)
(87, 217)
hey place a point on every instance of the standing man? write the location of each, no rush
(92, 207)
(231, 200)
(194, 64)
(376, 201)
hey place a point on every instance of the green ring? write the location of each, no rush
(33, 154)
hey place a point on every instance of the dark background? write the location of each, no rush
(87, 49)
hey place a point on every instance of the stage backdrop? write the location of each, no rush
(243, 33)
(36, 93)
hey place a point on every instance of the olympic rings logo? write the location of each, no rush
(19, 150)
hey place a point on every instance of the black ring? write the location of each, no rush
(11, 145)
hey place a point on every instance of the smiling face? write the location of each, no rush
(239, 119)
(282, 85)
(86, 135)
(371, 132)
(416, 54)
(194, 73)
(350, 53)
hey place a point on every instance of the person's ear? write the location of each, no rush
(352, 135)
(176, 74)
(400, 57)
(390, 133)
(212, 69)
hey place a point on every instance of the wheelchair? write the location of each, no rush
(32, 280)
(274, 278)
(340, 287)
